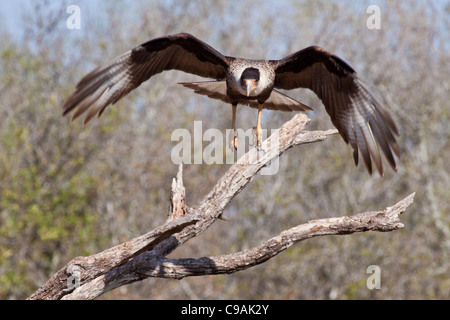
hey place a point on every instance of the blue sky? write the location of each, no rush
(9, 13)
(12, 11)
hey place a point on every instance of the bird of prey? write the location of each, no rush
(357, 114)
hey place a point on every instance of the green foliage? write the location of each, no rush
(42, 211)
(48, 213)
(68, 189)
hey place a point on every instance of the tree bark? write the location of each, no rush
(145, 256)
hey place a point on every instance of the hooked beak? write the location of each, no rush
(250, 85)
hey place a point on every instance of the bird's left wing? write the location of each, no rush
(356, 113)
(107, 84)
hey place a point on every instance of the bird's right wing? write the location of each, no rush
(357, 114)
(109, 83)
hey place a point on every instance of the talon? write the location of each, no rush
(233, 124)
(259, 137)
(233, 140)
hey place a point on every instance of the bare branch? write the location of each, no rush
(291, 134)
(93, 266)
(145, 256)
(149, 265)
(386, 220)
(177, 207)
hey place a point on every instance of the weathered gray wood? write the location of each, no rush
(149, 265)
(291, 134)
(145, 256)
(177, 207)
(95, 265)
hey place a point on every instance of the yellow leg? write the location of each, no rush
(258, 127)
(234, 126)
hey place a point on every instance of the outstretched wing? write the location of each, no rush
(107, 84)
(356, 113)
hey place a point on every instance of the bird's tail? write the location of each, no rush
(213, 89)
(218, 90)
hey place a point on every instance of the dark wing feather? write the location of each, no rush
(107, 84)
(356, 113)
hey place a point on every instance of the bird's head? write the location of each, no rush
(249, 80)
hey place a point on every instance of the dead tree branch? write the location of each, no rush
(150, 265)
(93, 266)
(145, 256)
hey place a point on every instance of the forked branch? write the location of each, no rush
(145, 256)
